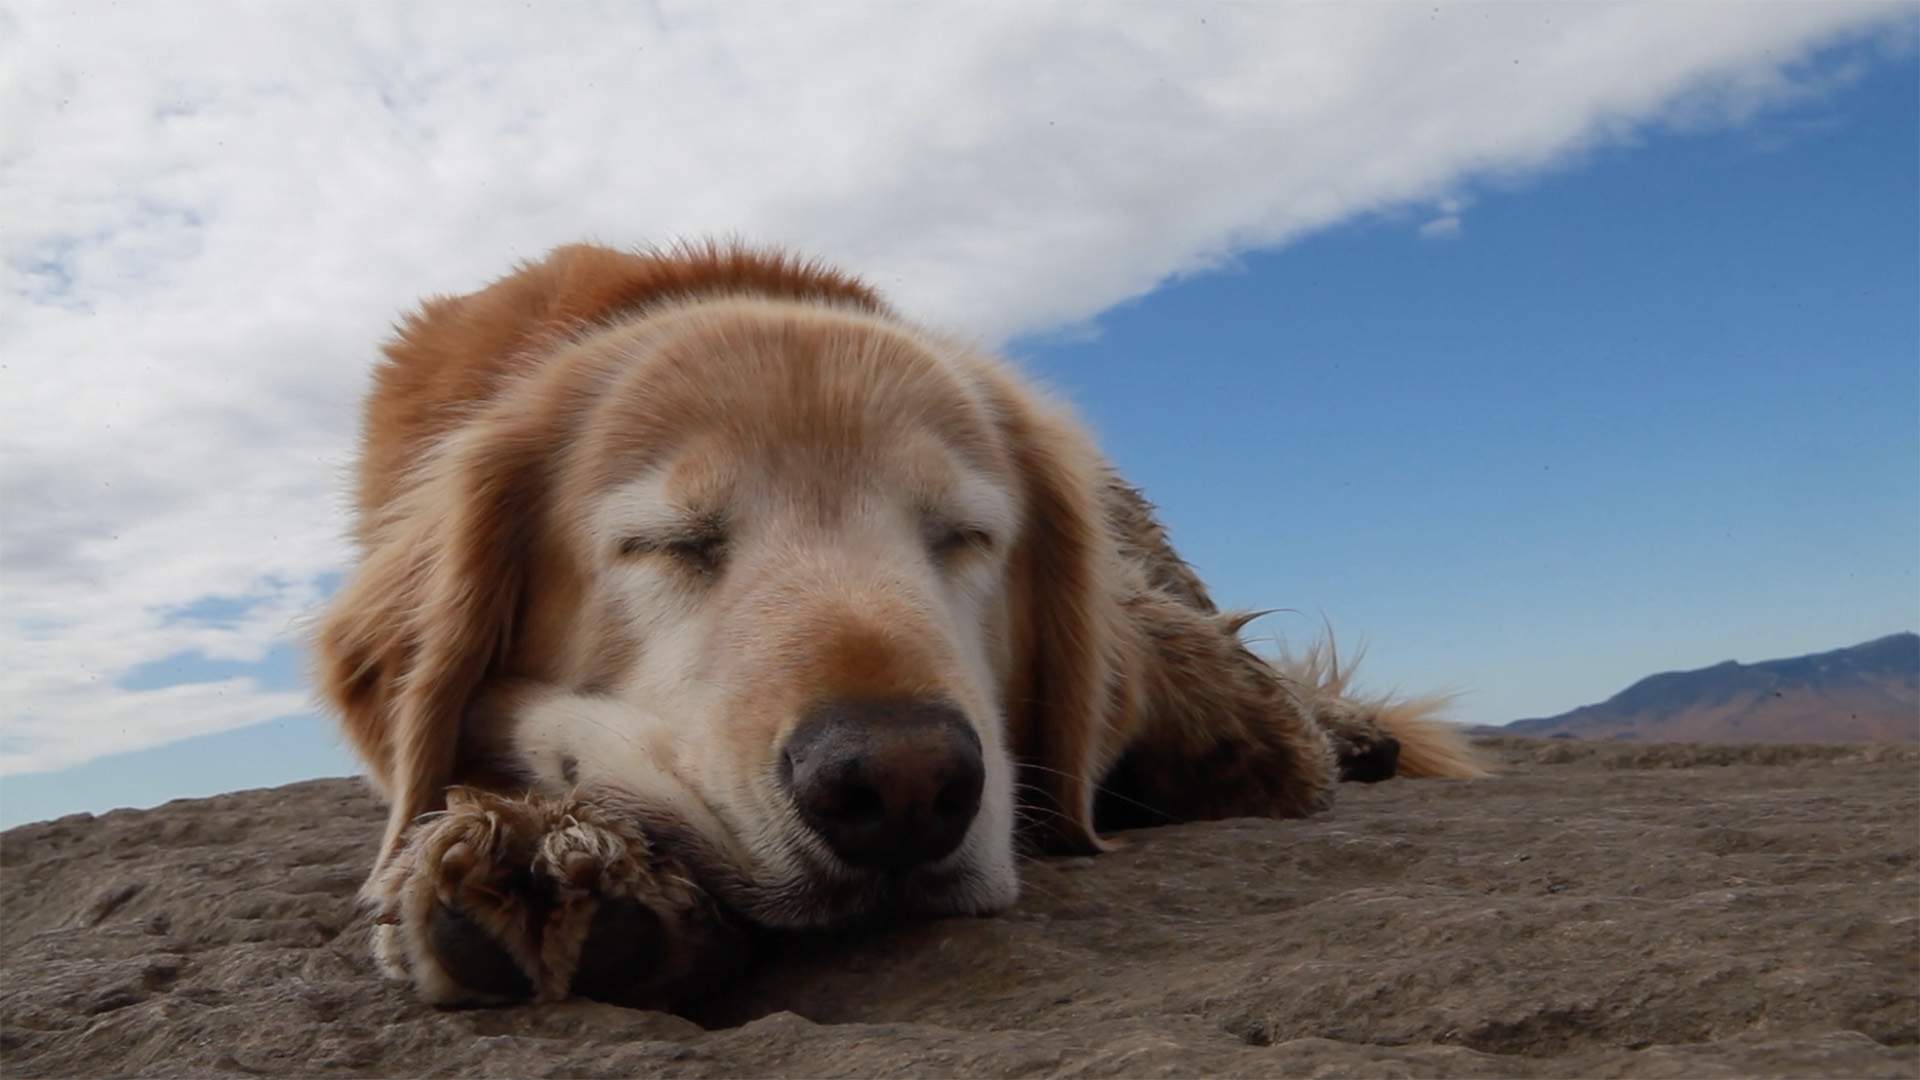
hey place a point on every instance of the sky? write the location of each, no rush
(1540, 346)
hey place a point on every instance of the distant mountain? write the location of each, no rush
(1867, 693)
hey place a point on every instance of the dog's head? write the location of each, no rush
(813, 592)
(794, 527)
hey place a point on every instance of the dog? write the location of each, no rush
(700, 594)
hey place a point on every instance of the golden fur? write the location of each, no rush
(622, 516)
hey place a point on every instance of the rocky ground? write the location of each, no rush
(1596, 911)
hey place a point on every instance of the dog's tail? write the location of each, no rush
(1430, 747)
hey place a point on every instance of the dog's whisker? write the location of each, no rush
(1102, 789)
(1027, 884)
(608, 728)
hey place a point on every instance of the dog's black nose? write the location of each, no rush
(886, 783)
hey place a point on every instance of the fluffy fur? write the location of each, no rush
(624, 516)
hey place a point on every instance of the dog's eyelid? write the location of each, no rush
(952, 537)
(702, 544)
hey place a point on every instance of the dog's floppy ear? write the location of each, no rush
(1064, 703)
(431, 610)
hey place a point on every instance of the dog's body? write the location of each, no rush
(697, 587)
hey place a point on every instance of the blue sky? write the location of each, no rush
(1535, 417)
(1652, 411)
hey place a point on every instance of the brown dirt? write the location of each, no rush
(1597, 911)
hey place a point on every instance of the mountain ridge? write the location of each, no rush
(1869, 692)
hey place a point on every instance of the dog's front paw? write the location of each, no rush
(507, 899)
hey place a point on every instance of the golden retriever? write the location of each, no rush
(700, 591)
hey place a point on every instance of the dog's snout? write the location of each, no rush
(886, 783)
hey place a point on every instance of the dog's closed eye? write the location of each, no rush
(703, 552)
(950, 541)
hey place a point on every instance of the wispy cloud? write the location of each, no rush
(207, 223)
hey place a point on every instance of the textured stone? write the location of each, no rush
(1596, 911)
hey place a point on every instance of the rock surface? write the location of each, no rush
(1598, 910)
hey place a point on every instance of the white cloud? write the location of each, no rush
(208, 221)
(1442, 228)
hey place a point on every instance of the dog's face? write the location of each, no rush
(794, 529)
